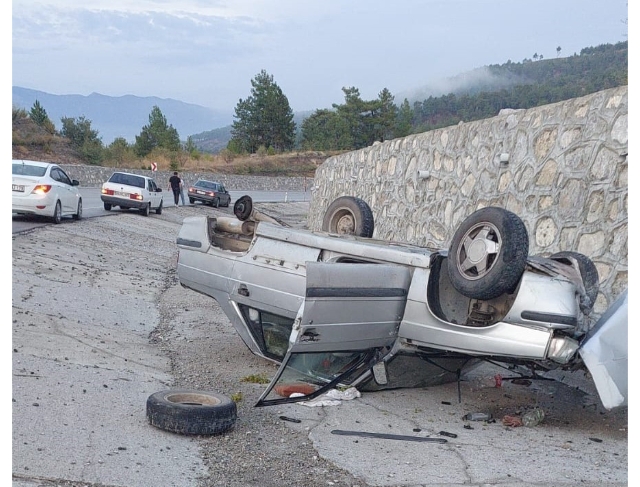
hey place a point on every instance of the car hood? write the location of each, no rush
(605, 353)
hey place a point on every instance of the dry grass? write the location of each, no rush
(32, 142)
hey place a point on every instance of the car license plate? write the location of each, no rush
(121, 193)
(17, 187)
(200, 192)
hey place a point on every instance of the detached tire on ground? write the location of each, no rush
(349, 215)
(191, 412)
(588, 273)
(488, 253)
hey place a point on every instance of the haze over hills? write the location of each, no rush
(122, 116)
(478, 93)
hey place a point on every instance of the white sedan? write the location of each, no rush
(44, 189)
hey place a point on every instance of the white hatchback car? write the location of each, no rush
(132, 191)
(44, 189)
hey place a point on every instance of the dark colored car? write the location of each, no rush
(209, 193)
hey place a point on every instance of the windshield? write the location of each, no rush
(308, 375)
(28, 170)
(206, 185)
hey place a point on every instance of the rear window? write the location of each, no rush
(207, 185)
(28, 170)
(128, 179)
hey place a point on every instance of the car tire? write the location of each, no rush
(57, 213)
(588, 273)
(488, 253)
(191, 412)
(107, 206)
(216, 202)
(78, 214)
(146, 210)
(191, 200)
(349, 215)
(243, 207)
(159, 209)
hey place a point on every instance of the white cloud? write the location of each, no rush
(207, 52)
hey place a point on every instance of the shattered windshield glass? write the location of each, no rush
(307, 375)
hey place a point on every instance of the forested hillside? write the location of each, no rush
(533, 82)
(266, 137)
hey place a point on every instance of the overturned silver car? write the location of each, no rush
(338, 307)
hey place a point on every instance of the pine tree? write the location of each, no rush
(264, 119)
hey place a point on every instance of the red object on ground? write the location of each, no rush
(285, 390)
(498, 379)
(514, 421)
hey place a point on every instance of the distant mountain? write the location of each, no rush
(213, 141)
(122, 116)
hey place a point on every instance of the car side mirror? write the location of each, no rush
(379, 371)
(75, 182)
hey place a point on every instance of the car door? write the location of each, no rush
(65, 189)
(154, 195)
(225, 200)
(348, 321)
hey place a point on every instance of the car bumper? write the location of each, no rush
(202, 198)
(128, 203)
(33, 205)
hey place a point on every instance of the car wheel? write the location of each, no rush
(228, 203)
(191, 412)
(191, 200)
(107, 206)
(588, 273)
(349, 215)
(78, 214)
(216, 202)
(57, 213)
(146, 210)
(488, 253)
(159, 209)
(243, 207)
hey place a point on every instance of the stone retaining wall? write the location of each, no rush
(563, 170)
(94, 176)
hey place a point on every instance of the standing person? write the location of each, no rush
(181, 191)
(175, 185)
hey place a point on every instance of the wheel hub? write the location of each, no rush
(345, 225)
(477, 251)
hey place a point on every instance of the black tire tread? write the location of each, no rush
(589, 274)
(189, 419)
(78, 214)
(508, 270)
(360, 210)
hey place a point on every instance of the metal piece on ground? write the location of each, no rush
(386, 436)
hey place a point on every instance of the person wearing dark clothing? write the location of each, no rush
(175, 185)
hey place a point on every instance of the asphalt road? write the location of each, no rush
(92, 205)
(99, 322)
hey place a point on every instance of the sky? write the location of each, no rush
(207, 52)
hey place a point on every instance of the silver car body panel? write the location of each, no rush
(606, 355)
(364, 301)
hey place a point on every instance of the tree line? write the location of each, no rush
(264, 121)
